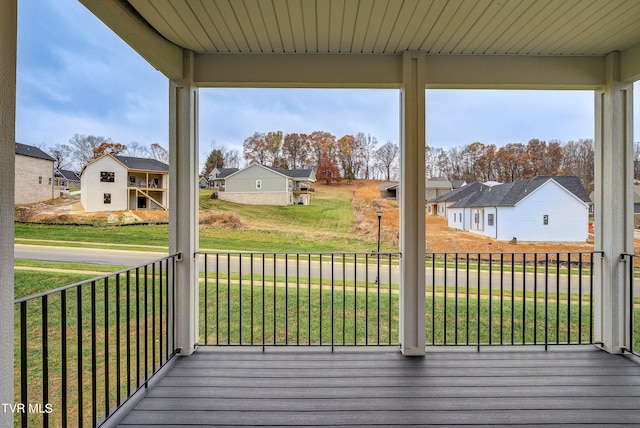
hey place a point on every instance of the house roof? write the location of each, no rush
(221, 173)
(509, 194)
(68, 175)
(389, 185)
(438, 183)
(296, 174)
(143, 163)
(306, 173)
(460, 193)
(31, 151)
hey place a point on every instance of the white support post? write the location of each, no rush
(412, 204)
(8, 47)
(613, 204)
(183, 198)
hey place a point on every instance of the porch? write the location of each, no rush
(373, 386)
(300, 339)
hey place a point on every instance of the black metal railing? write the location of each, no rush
(509, 298)
(341, 299)
(279, 299)
(84, 349)
(633, 308)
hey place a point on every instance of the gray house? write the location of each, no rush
(216, 178)
(262, 185)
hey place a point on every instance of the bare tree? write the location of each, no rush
(231, 158)
(386, 157)
(159, 153)
(61, 153)
(137, 150)
(84, 147)
(367, 147)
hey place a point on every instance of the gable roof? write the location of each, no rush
(143, 163)
(510, 194)
(32, 151)
(221, 173)
(296, 174)
(67, 174)
(460, 193)
(306, 173)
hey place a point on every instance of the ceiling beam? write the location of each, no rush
(630, 64)
(298, 70)
(127, 23)
(385, 71)
(515, 72)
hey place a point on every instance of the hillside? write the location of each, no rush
(342, 217)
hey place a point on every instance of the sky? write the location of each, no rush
(75, 76)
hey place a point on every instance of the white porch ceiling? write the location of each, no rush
(442, 27)
(552, 44)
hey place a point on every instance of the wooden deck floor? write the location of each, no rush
(292, 387)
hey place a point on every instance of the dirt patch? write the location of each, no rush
(68, 209)
(439, 236)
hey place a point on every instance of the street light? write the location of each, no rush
(379, 217)
(378, 276)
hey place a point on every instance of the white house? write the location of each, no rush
(544, 209)
(262, 185)
(33, 175)
(118, 183)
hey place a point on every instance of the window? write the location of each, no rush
(476, 218)
(455, 217)
(490, 219)
(258, 184)
(107, 176)
(106, 198)
(545, 219)
(49, 181)
(40, 180)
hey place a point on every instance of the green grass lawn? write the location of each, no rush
(326, 225)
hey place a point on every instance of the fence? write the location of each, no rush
(83, 350)
(338, 299)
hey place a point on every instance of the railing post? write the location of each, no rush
(412, 208)
(8, 46)
(183, 213)
(613, 202)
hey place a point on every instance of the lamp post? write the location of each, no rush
(378, 276)
(379, 218)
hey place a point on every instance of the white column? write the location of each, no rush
(183, 198)
(613, 204)
(412, 204)
(8, 31)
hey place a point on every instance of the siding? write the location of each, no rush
(27, 186)
(568, 217)
(93, 190)
(241, 187)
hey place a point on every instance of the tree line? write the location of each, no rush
(82, 149)
(333, 159)
(514, 161)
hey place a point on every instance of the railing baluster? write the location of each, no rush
(24, 367)
(64, 390)
(206, 299)
(45, 357)
(106, 347)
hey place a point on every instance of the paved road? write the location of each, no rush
(95, 256)
(313, 269)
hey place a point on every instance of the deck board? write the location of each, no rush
(380, 387)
